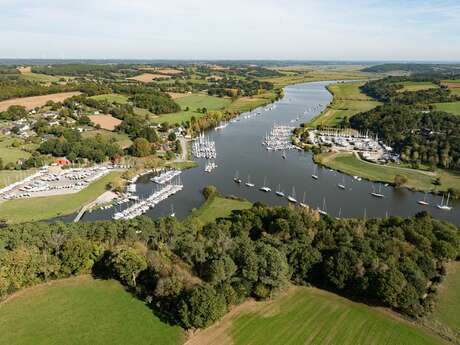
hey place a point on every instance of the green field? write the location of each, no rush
(112, 98)
(34, 209)
(417, 86)
(348, 100)
(11, 154)
(305, 316)
(193, 102)
(243, 104)
(416, 179)
(11, 176)
(82, 311)
(40, 77)
(216, 207)
(447, 306)
(451, 107)
(121, 139)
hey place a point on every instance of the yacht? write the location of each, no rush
(445, 207)
(248, 183)
(265, 188)
(342, 185)
(315, 173)
(323, 211)
(423, 202)
(291, 198)
(279, 191)
(303, 204)
(379, 194)
(237, 178)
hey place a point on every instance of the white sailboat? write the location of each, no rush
(323, 211)
(340, 214)
(315, 173)
(342, 185)
(248, 183)
(237, 178)
(445, 207)
(379, 194)
(291, 198)
(265, 188)
(303, 204)
(423, 202)
(173, 214)
(279, 192)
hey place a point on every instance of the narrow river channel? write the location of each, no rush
(239, 149)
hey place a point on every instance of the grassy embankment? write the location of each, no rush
(348, 100)
(416, 179)
(311, 316)
(217, 206)
(35, 209)
(82, 311)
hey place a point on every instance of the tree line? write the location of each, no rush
(191, 275)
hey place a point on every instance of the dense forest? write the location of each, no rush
(413, 68)
(191, 275)
(108, 71)
(408, 122)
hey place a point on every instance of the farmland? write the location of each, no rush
(416, 179)
(111, 98)
(36, 101)
(193, 102)
(149, 77)
(311, 316)
(82, 311)
(453, 85)
(49, 207)
(451, 107)
(121, 139)
(417, 86)
(107, 122)
(348, 101)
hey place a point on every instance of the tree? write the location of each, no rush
(77, 256)
(127, 264)
(209, 191)
(400, 180)
(201, 307)
(141, 147)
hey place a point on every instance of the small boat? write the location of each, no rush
(284, 155)
(248, 183)
(279, 192)
(173, 214)
(291, 198)
(342, 185)
(323, 211)
(423, 202)
(237, 178)
(265, 188)
(340, 214)
(303, 204)
(445, 207)
(379, 194)
(315, 173)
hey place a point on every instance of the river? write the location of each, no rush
(239, 148)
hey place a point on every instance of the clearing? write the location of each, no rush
(304, 316)
(350, 164)
(121, 139)
(19, 210)
(82, 310)
(450, 107)
(348, 100)
(111, 98)
(148, 77)
(107, 122)
(217, 207)
(193, 102)
(37, 101)
(11, 154)
(417, 86)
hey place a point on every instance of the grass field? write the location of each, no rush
(348, 100)
(112, 98)
(305, 316)
(11, 154)
(416, 179)
(193, 102)
(447, 306)
(82, 311)
(417, 86)
(451, 107)
(121, 139)
(8, 177)
(218, 206)
(39, 77)
(34, 209)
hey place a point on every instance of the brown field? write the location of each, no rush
(214, 77)
(176, 95)
(36, 101)
(27, 69)
(170, 71)
(107, 122)
(148, 77)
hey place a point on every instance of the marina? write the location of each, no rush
(240, 149)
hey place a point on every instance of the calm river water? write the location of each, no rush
(239, 148)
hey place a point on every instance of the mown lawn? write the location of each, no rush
(82, 311)
(305, 316)
(452, 107)
(447, 307)
(417, 86)
(34, 209)
(348, 100)
(193, 102)
(217, 207)
(416, 179)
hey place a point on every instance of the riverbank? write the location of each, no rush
(418, 180)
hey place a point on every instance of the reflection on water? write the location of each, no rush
(239, 149)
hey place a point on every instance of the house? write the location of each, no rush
(62, 161)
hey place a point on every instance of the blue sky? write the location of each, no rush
(236, 29)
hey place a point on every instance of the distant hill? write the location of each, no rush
(414, 68)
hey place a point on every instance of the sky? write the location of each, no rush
(232, 29)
